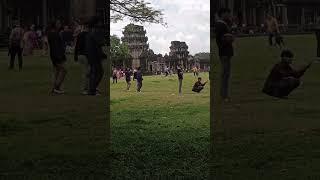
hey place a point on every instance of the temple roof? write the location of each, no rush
(306, 2)
(178, 44)
(253, 3)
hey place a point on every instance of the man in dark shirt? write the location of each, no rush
(80, 55)
(16, 46)
(67, 36)
(283, 79)
(317, 30)
(224, 40)
(128, 75)
(57, 55)
(198, 86)
(94, 43)
(180, 77)
(139, 79)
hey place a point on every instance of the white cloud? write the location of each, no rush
(188, 20)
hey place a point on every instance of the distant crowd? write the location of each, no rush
(85, 39)
(135, 74)
(35, 36)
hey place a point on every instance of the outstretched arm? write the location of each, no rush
(301, 72)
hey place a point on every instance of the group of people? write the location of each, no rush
(88, 51)
(22, 42)
(282, 80)
(129, 75)
(136, 75)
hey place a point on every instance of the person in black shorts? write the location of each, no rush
(224, 40)
(94, 47)
(57, 55)
(80, 55)
(139, 79)
(128, 75)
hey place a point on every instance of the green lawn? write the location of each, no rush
(154, 133)
(259, 137)
(42, 134)
(157, 133)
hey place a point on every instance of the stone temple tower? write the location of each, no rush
(135, 37)
(179, 53)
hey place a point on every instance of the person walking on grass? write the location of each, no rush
(283, 79)
(80, 55)
(134, 74)
(139, 79)
(94, 46)
(57, 56)
(194, 71)
(224, 40)
(16, 46)
(180, 77)
(128, 75)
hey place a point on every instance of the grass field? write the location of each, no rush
(259, 137)
(157, 133)
(62, 137)
(154, 133)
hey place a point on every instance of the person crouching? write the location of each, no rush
(198, 86)
(283, 79)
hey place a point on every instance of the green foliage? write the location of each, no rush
(135, 10)
(119, 52)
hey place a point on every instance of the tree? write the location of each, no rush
(135, 10)
(119, 52)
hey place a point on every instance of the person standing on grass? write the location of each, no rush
(57, 55)
(272, 28)
(283, 79)
(16, 46)
(30, 39)
(114, 76)
(134, 74)
(317, 29)
(180, 77)
(224, 40)
(94, 46)
(80, 55)
(128, 75)
(194, 71)
(139, 79)
(197, 71)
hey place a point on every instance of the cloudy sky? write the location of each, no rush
(188, 20)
